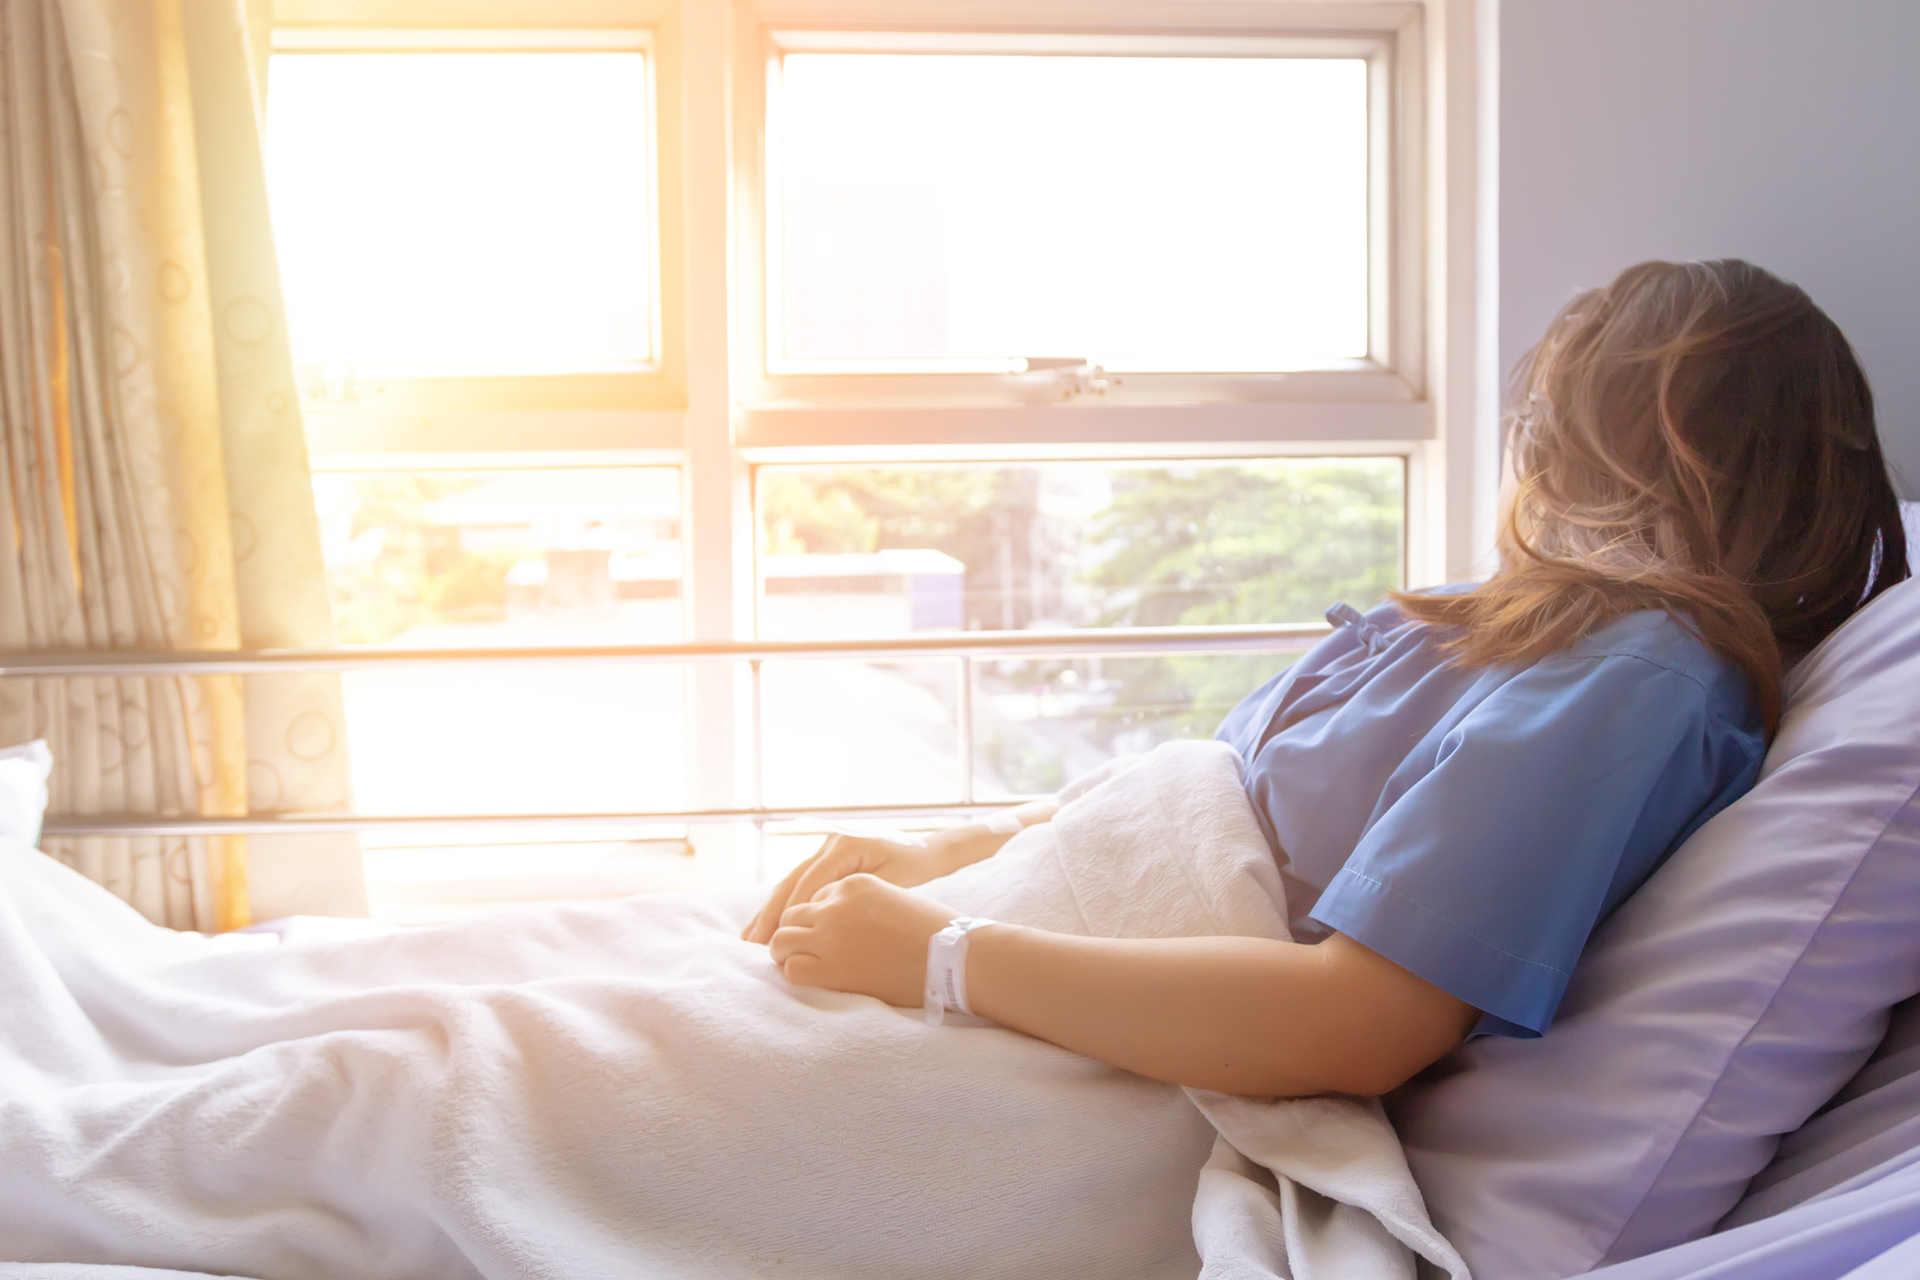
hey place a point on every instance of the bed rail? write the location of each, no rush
(963, 649)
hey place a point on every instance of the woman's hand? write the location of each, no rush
(905, 865)
(863, 935)
(841, 856)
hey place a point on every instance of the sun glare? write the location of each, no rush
(1151, 212)
(480, 212)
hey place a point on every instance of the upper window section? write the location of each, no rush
(962, 212)
(461, 213)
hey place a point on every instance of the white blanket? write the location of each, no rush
(631, 1091)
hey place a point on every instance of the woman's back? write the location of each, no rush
(1472, 824)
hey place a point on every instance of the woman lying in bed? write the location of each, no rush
(1462, 783)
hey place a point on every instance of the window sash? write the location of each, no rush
(360, 403)
(1384, 397)
(1388, 37)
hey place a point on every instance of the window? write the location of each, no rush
(851, 551)
(452, 558)
(502, 559)
(892, 551)
(1194, 218)
(465, 212)
(471, 234)
(1153, 213)
(633, 323)
(468, 232)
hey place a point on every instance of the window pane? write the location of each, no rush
(445, 559)
(860, 733)
(414, 879)
(1039, 725)
(475, 212)
(878, 551)
(886, 551)
(1149, 213)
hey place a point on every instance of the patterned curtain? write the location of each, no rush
(157, 493)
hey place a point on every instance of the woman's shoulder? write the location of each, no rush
(1649, 646)
(1654, 645)
(1658, 639)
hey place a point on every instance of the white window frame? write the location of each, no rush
(1376, 397)
(1428, 392)
(363, 418)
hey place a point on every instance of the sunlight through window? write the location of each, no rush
(954, 211)
(464, 212)
(892, 551)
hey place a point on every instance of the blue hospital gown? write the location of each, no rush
(1473, 825)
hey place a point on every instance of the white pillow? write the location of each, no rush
(1718, 1008)
(23, 790)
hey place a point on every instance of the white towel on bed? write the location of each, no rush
(632, 1091)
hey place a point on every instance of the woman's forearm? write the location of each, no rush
(1240, 1015)
(974, 842)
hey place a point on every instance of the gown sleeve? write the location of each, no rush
(1543, 807)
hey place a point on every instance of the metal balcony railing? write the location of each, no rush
(964, 649)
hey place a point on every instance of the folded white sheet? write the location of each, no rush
(632, 1091)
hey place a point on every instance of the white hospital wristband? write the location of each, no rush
(947, 969)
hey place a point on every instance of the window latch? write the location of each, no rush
(1072, 375)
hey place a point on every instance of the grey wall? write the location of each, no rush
(1786, 132)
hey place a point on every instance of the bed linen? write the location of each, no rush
(1841, 1200)
(1866, 1131)
(1870, 1232)
(632, 1091)
(1721, 1006)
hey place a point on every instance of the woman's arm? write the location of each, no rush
(1240, 1015)
(906, 865)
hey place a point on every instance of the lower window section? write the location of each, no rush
(523, 558)
(510, 558)
(870, 551)
(517, 738)
(858, 733)
(1040, 725)
(892, 551)
(578, 555)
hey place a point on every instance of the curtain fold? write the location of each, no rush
(156, 492)
(295, 725)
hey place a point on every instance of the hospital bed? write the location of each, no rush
(1763, 983)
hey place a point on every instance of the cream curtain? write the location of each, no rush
(157, 490)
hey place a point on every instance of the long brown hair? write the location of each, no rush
(1694, 437)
